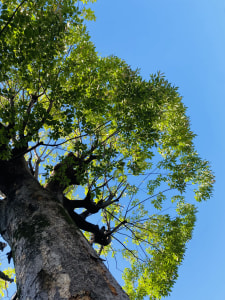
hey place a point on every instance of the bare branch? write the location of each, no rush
(30, 164)
(148, 198)
(129, 250)
(104, 184)
(127, 210)
(37, 163)
(140, 239)
(117, 227)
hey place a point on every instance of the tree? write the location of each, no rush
(76, 123)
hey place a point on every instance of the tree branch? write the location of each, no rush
(10, 19)
(68, 172)
(5, 277)
(2, 246)
(87, 203)
(64, 142)
(20, 152)
(91, 206)
(100, 236)
(117, 227)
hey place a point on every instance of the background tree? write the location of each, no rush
(76, 123)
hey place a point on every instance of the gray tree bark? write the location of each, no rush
(52, 258)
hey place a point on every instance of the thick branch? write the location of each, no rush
(4, 131)
(64, 170)
(68, 172)
(21, 152)
(2, 217)
(100, 205)
(5, 277)
(100, 236)
(87, 203)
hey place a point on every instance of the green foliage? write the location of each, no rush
(5, 284)
(164, 239)
(58, 96)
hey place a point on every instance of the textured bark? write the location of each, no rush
(52, 258)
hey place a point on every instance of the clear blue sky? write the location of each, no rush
(185, 39)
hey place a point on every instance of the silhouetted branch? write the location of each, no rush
(68, 172)
(100, 235)
(129, 250)
(5, 277)
(10, 19)
(2, 246)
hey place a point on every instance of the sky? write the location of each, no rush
(185, 40)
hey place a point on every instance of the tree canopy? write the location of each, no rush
(119, 147)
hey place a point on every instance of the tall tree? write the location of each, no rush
(74, 123)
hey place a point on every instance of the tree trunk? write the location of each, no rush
(52, 258)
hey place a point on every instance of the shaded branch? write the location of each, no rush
(100, 235)
(110, 200)
(117, 227)
(90, 206)
(30, 165)
(87, 203)
(5, 277)
(34, 99)
(20, 152)
(2, 246)
(68, 172)
(3, 132)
